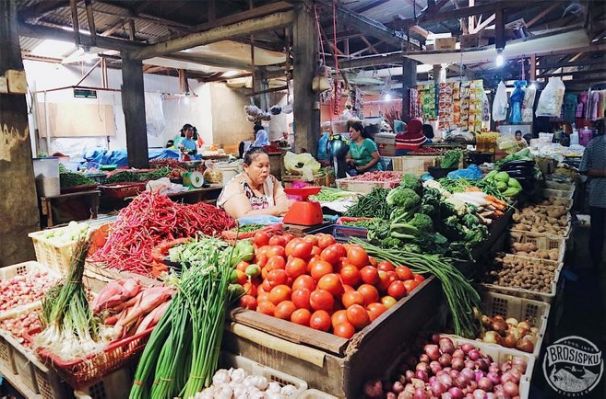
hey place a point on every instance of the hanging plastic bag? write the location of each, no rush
(500, 104)
(550, 102)
(517, 98)
(528, 105)
(301, 164)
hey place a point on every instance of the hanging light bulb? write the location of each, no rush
(500, 60)
(533, 86)
(387, 97)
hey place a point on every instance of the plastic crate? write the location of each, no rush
(543, 243)
(122, 190)
(529, 294)
(535, 312)
(501, 355)
(21, 269)
(561, 186)
(86, 371)
(251, 367)
(345, 232)
(417, 164)
(315, 394)
(6, 357)
(565, 233)
(552, 193)
(53, 255)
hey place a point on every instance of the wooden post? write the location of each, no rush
(91, 21)
(409, 81)
(533, 67)
(19, 204)
(499, 41)
(306, 105)
(133, 105)
(75, 22)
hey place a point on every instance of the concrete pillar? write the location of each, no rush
(18, 202)
(409, 81)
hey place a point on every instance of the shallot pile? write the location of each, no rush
(237, 384)
(510, 333)
(24, 289)
(448, 371)
(20, 325)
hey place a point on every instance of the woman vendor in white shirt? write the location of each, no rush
(254, 191)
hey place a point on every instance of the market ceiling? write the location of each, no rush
(365, 30)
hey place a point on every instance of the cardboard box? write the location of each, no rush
(470, 41)
(446, 43)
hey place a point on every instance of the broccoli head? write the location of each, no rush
(429, 210)
(422, 222)
(390, 242)
(412, 182)
(404, 198)
(471, 221)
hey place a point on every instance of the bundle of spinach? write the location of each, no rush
(451, 159)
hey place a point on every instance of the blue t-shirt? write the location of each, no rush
(261, 139)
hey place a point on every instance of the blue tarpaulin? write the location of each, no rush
(99, 156)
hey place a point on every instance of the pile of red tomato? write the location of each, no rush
(315, 281)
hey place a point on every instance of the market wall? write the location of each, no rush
(211, 107)
(372, 106)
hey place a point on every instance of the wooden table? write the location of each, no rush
(64, 208)
(206, 194)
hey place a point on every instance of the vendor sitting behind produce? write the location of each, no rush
(413, 137)
(186, 141)
(363, 155)
(254, 191)
(520, 142)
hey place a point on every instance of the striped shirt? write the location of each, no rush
(595, 158)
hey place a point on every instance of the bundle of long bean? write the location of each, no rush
(371, 205)
(183, 351)
(70, 330)
(462, 298)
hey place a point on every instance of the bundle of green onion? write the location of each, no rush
(182, 353)
(70, 330)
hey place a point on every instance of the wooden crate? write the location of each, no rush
(329, 363)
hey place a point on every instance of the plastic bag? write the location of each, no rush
(517, 98)
(550, 102)
(472, 172)
(500, 104)
(301, 164)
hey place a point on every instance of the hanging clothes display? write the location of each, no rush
(581, 108)
(500, 104)
(415, 108)
(517, 98)
(528, 104)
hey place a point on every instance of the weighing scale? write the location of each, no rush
(304, 212)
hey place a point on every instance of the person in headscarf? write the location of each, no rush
(413, 137)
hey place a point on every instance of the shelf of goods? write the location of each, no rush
(332, 364)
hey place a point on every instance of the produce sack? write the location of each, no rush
(550, 102)
(500, 104)
(301, 164)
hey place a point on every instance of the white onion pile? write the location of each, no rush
(446, 371)
(237, 384)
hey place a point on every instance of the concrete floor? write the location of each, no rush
(583, 312)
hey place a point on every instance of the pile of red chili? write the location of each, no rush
(151, 219)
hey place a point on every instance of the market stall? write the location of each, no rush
(337, 308)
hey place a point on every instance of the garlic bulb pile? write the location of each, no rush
(237, 384)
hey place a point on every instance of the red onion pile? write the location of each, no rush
(445, 371)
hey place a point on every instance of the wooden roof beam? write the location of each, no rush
(255, 12)
(41, 9)
(272, 21)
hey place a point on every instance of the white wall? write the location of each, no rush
(176, 110)
(216, 110)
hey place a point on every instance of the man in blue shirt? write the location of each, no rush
(593, 166)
